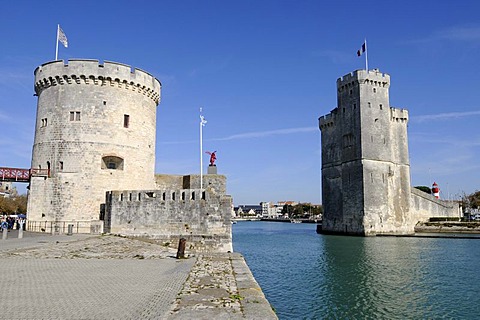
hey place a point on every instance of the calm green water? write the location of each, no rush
(309, 276)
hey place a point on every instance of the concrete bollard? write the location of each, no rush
(4, 233)
(20, 230)
(181, 248)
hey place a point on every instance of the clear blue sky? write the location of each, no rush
(263, 71)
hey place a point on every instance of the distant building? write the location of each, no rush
(248, 210)
(271, 210)
(7, 189)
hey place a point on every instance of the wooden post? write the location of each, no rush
(181, 248)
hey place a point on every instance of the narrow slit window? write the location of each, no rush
(74, 115)
(126, 120)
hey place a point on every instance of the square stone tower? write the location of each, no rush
(365, 162)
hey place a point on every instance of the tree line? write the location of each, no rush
(302, 210)
(13, 204)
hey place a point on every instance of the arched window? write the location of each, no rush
(112, 162)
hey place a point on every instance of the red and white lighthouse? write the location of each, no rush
(436, 190)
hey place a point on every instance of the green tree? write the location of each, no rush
(470, 201)
(287, 209)
(12, 205)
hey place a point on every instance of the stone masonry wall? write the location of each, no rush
(425, 206)
(365, 163)
(202, 216)
(95, 131)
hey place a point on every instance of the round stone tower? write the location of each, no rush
(95, 132)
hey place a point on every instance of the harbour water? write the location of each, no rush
(305, 275)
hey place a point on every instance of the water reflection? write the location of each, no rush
(370, 278)
(309, 276)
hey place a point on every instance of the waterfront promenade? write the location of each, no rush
(108, 277)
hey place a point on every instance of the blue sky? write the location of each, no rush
(263, 71)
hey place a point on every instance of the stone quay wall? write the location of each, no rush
(178, 210)
(425, 206)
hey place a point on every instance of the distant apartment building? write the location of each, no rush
(270, 210)
(7, 189)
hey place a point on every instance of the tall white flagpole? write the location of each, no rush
(366, 55)
(56, 44)
(202, 124)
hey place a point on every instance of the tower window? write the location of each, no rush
(112, 162)
(44, 122)
(126, 120)
(74, 115)
(351, 91)
(60, 165)
(374, 90)
(381, 107)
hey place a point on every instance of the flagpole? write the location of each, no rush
(201, 149)
(366, 56)
(56, 44)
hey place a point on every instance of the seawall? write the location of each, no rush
(448, 227)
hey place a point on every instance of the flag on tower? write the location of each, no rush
(203, 122)
(362, 49)
(62, 37)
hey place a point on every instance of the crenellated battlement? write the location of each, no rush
(398, 115)
(370, 77)
(327, 121)
(91, 72)
(179, 195)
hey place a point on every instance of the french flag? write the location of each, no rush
(362, 49)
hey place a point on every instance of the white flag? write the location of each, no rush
(203, 122)
(62, 37)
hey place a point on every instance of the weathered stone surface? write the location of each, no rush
(90, 117)
(365, 163)
(95, 133)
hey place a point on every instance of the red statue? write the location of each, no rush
(213, 157)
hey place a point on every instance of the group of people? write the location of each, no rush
(10, 223)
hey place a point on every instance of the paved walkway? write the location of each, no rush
(108, 277)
